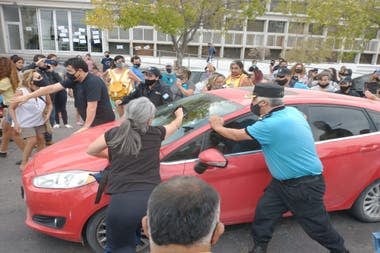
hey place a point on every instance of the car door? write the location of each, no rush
(242, 182)
(348, 144)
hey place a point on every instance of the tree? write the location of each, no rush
(181, 19)
(351, 23)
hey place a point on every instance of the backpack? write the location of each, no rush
(117, 90)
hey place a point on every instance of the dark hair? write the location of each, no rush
(37, 57)
(240, 64)
(77, 63)
(135, 57)
(115, 59)
(334, 75)
(183, 210)
(16, 58)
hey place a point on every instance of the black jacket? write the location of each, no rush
(159, 93)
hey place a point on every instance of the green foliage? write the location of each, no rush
(351, 18)
(346, 20)
(310, 51)
(178, 18)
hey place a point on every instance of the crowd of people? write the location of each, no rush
(35, 96)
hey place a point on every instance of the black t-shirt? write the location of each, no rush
(136, 172)
(92, 89)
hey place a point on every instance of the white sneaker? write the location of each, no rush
(68, 126)
(56, 126)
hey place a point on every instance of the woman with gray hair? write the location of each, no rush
(133, 152)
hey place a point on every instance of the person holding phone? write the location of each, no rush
(372, 87)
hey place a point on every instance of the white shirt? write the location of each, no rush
(30, 113)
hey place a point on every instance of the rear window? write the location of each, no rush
(198, 108)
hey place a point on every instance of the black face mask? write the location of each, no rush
(344, 88)
(149, 82)
(41, 83)
(71, 77)
(107, 55)
(169, 70)
(137, 65)
(298, 71)
(255, 109)
(323, 85)
(282, 82)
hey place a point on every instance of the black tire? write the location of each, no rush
(96, 231)
(367, 206)
(96, 234)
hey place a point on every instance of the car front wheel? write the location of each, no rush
(96, 234)
(367, 206)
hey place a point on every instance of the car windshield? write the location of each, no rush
(197, 109)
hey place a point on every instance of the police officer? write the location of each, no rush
(157, 92)
(290, 153)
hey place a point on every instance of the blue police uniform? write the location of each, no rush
(297, 185)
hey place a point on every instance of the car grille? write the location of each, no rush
(49, 221)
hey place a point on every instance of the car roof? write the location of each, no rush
(300, 96)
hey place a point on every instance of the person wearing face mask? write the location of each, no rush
(152, 88)
(345, 87)
(188, 206)
(136, 63)
(169, 77)
(90, 93)
(118, 74)
(323, 82)
(298, 73)
(29, 118)
(290, 153)
(106, 61)
(283, 77)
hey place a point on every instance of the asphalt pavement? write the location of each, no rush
(289, 237)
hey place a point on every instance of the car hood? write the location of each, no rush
(70, 153)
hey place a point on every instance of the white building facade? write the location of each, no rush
(42, 27)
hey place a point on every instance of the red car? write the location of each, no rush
(60, 193)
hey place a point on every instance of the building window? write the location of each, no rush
(276, 26)
(296, 28)
(14, 36)
(11, 13)
(255, 25)
(96, 40)
(30, 28)
(315, 29)
(47, 26)
(232, 53)
(118, 48)
(124, 34)
(114, 34)
(79, 31)
(63, 30)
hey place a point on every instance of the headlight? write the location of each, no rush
(64, 179)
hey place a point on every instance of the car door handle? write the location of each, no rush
(369, 148)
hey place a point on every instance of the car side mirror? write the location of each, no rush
(210, 157)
